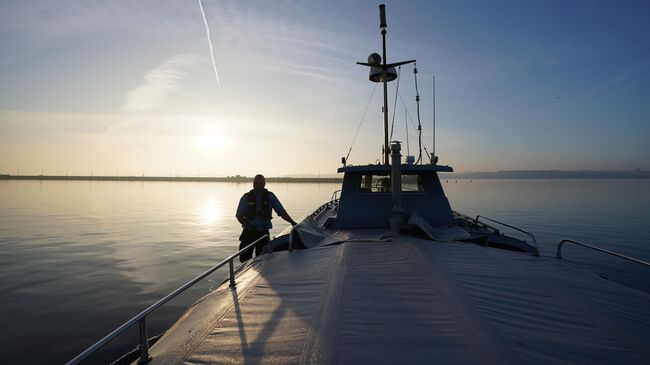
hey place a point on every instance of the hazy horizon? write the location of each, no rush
(506, 174)
(134, 88)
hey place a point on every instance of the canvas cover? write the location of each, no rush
(408, 300)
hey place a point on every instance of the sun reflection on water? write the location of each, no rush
(209, 212)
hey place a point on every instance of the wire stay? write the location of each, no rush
(361, 121)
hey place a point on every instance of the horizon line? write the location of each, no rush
(499, 174)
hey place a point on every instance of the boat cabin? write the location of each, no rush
(367, 198)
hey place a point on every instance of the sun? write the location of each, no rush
(211, 142)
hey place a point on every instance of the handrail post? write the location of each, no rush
(144, 344)
(291, 240)
(232, 273)
(558, 253)
(334, 195)
(476, 221)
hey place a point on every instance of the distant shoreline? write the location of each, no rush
(235, 179)
(552, 174)
(493, 175)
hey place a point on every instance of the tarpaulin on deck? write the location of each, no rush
(412, 301)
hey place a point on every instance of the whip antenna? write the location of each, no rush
(433, 152)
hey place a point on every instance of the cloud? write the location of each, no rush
(33, 28)
(616, 84)
(207, 31)
(157, 84)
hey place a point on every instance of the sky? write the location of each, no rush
(143, 88)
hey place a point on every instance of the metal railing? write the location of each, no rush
(141, 318)
(334, 195)
(322, 208)
(561, 243)
(507, 225)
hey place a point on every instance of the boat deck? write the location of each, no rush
(409, 300)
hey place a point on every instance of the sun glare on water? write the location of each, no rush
(209, 212)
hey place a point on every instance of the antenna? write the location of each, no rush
(433, 150)
(382, 16)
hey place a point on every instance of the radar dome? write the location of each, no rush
(374, 59)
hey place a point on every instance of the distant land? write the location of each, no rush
(552, 174)
(235, 178)
(330, 178)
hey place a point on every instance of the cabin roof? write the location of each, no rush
(405, 168)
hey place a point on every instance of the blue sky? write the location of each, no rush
(129, 87)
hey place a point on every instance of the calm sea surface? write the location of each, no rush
(77, 259)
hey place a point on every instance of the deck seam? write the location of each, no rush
(494, 352)
(307, 356)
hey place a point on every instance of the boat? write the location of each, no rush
(387, 273)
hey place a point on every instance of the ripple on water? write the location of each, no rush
(84, 257)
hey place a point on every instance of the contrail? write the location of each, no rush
(207, 31)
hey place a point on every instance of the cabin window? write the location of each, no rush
(375, 183)
(412, 182)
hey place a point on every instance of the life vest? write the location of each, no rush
(251, 206)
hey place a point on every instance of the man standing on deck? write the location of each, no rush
(254, 214)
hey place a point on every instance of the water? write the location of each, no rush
(77, 259)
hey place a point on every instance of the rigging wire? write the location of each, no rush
(429, 154)
(361, 121)
(409, 118)
(399, 71)
(406, 125)
(409, 114)
(417, 103)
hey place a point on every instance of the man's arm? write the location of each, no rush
(287, 218)
(241, 218)
(277, 206)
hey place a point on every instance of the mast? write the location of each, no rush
(382, 25)
(381, 71)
